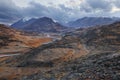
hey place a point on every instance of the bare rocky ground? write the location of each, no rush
(84, 54)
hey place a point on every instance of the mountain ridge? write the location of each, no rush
(43, 24)
(92, 21)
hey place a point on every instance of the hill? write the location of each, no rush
(12, 40)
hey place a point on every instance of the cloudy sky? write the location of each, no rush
(60, 10)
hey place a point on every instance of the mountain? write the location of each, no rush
(92, 21)
(43, 24)
(22, 23)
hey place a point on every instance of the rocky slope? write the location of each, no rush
(93, 67)
(100, 37)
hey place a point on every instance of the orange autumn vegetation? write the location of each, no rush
(37, 42)
(8, 73)
(32, 41)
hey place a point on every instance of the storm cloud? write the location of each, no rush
(62, 10)
(38, 10)
(8, 11)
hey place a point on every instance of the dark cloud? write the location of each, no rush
(116, 3)
(96, 5)
(100, 8)
(8, 11)
(99, 4)
(34, 10)
(38, 10)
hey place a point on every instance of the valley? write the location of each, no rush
(59, 39)
(79, 53)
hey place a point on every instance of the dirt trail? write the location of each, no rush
(7, 55)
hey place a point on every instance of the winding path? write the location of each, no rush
(7, 55)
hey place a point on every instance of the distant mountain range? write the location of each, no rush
(43, 24)
(92, 21)
(46, 24)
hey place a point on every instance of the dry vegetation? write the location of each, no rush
(11, 73)
(13, 41)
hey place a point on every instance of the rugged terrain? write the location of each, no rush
(84, 54)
